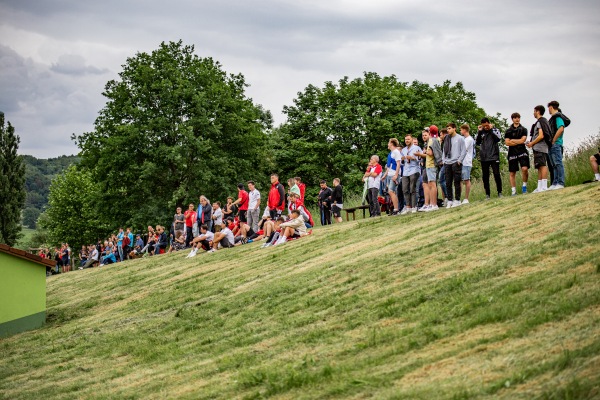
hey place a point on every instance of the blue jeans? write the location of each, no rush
(556, 157)
(442, 180)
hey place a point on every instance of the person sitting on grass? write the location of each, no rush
(296, 204)
(93, 257)
(161, 241)
(202, 241)
(294, 228)
(224, 238)
(178, 242)
(146, 250)
(109, 258)
(272, 231)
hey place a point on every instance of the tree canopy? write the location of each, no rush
(12, 184)
(175, 126)
(71, 215)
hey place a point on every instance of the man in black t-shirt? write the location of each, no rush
(324, 199)
(515, 138)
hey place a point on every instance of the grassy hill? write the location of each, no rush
(497, 299)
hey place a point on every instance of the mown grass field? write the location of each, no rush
(497, 299)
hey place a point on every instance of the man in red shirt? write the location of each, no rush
(242, 200)
(190, 218)
(276, 199)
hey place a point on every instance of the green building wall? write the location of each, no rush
(22, 295)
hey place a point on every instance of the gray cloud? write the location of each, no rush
(57, 56)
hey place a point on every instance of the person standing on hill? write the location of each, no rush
(337, 200)
(276, 199)
(243, 201)
(488, 138)
(373, 178)
(410, 174)
(178, 220)
(540, 147)
(190, 219)
(253, 206)
(392, 172)
(323, 200)
(518, 156)
(453, 154)
(301, 186)
(557, 128)
(467, 164)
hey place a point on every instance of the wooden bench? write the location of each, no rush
(352, 211)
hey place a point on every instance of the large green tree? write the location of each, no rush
(332, 131)
(175, 126)
(72, 214)
(12, 184)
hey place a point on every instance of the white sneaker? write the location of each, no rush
(456, 203)
(423, 209)
(552, 187)
(558, 187)
(537, 190)
(449, 204)
(193, 254)
(413, 210)
(434, 208)
(405, 211)
(465, 201)
(211, 251)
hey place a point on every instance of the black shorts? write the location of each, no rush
(515, 161)
(539, 159)
(242, 215)
(336, 211)
(597, 157)
(225, 243)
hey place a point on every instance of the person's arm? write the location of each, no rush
(462, 146)
(479, 138)
(561, 129)
(496, 134)
(539, 138)
(257, 203)
(281, 195)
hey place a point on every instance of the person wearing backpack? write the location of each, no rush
(540, 134)
(488, 138)
(557, 127)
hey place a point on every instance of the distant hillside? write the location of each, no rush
(38, 176)
(494, 300)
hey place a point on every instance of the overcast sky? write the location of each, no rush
(56, 56)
